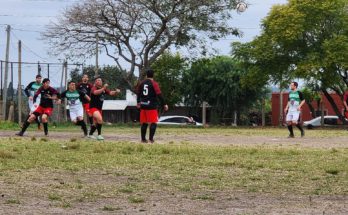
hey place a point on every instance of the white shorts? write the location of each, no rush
(33, 106)
(75, 111)
(293, 116)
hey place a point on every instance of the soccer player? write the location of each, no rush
(48, 94)
(148, 92)
(293, 109)
(98, 93)
(85, 87)
(74, 98)
(30, 91)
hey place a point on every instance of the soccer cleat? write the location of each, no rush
(143, 141)
(20, 134)
(100, 137)
(152, 141)
(291, 136)
(91, 137)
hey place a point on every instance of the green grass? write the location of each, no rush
(87, 170)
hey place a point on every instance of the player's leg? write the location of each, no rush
(289, 117)
(44, 119)
(99, 123)
(153, 119)
(78, 116)
(144, 124)
(26, 124)
(296, 122)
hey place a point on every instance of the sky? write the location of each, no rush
(29, 17)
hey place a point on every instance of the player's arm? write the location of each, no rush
(287, 107)
(55, 94)
(37, 94)
(27, 89)
(159, 96)
(303, 101)
(100, 91)
(138, 91)
(84, 95)
(114, 92)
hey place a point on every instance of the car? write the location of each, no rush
(316, 122)
(177, 120)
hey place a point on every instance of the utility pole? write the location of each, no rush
(4, 98)
(65, 81)
(204, 113)
(38, 68)
(96, 56)
(19, 88)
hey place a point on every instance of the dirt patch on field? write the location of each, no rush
(61, 192)
(311, 141)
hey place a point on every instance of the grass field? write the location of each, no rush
(72, 175)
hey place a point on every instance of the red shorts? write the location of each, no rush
(148, 116)
(41, 110)
(86, 107)
(92, 110)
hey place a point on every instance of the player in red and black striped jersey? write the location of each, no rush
(98, 93)
(48, 94)
(147, 95)
(86, 87)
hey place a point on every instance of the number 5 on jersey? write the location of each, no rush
(146, 90)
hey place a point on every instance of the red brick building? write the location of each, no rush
(306, 114)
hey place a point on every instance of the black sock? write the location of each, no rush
(300, 127)
(37, 121)
(25, 126)
(99, 126)
(83, 126)
(291, 130)
(26, 119)
(143, 131)
(153, 127)
(45, 128)
(93, 128)
(90, 119)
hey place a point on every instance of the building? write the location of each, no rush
(306, 113)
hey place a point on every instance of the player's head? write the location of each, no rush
(38, 79)
(46, 82)
(85, 78)
(149, 73)
(293, 85)
(98, 82)
(72, 85)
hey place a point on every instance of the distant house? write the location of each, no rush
(121, 111)
(306, 113)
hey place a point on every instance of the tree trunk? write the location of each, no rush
(334, 106)
(311, 108)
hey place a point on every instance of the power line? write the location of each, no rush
(27, 48)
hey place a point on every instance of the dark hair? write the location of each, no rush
(38, 76)
(45, 80)
(71, 82)
(149, 73)
(85, 74)
(295, 83)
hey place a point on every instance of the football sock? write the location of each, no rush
(93, 128)
(143, 131)
(45, 128)
(153, 127)
(25, 126)
(99, 127)
(291, 130)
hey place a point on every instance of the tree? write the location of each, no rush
(169, 69)
(139, 31)
(218, 82)
(308, 39)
